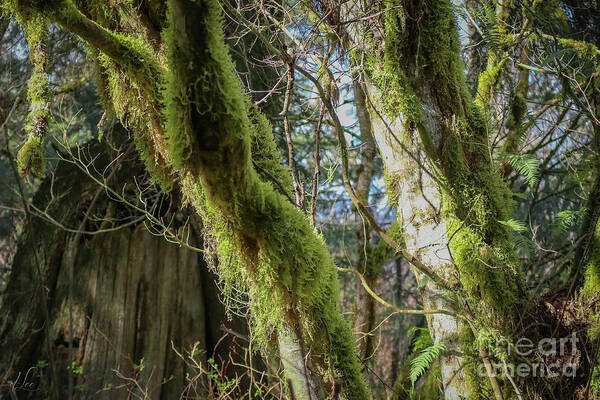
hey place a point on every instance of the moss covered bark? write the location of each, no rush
(430, 121)
(476, 199)
(200, 129)
(30, 158)
(590, 293)
(290, 275)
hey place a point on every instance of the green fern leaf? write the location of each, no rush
(421, 363)
(524, 243)
(421, 338)
(526, 165)
(515, 225)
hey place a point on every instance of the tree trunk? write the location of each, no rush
(419, 203)
(133, 297)
(449, 194)
(364, 312)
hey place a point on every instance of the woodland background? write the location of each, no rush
(120, 277)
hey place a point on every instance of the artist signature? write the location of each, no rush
(26, 384)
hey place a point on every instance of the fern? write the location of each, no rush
(524, 243)
(515, 225)
(492, 35)
(526, 165)
(566, 218)
(422, 338)
(421, 363)
(426, 349)
(521, 240)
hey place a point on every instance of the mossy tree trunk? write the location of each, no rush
(418, 199)
(434, 144)
(199, 132)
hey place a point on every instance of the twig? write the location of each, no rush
(315, 183)
(288, 132)
(391, 306)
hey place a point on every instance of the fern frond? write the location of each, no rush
(515, 225)
(566, 219)
(526, 165)
(492, 35)
(421, 363)
(524, 243)
(421, 338)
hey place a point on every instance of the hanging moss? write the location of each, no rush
(138, 108)
(264, 242)
(400, 98)
(132, 75)
(31, 155)
(265, 154)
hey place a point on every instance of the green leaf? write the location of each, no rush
(515, 225)
(421, 338)
(421, 363)
(526, 165)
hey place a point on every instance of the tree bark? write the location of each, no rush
(419, 203)
(364, 312)
(449, 194)
(133, 297)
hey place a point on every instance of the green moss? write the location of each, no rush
(266, 246)
(480, 388)
(399, 97)
(591, 286)
(131, 77)
(30, 158)
(423, 52)
(31, 155)
(589, 292)
(488, 84)
(518, 108)
(514, 123)
(265, 154)
(475, 202)
(583, 49)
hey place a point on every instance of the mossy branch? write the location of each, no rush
(31, 155)
(291, 278)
